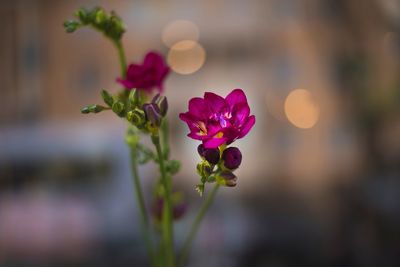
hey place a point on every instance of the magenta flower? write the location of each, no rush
(148, 75)
(216, 121)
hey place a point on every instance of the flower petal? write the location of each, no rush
(127, 84)
(198, 108)
(214, 142)
(152, 59)
(240, 112)
(134, 72)
(215, 102)
(248, 124)
(196, 135)
(231, 134)
(235, 97)
(189, 119)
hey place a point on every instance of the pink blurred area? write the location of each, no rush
(37, 226)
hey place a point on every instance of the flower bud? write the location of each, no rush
(83, 15)
(201, 150)
(101, 17)
(179, 207)
(212, 155)
(108, 99)
(152, 114)
(204, 169)
(162, 103)
(92, 109)
(136, 117)
(119, 108)
(232, 158)
(71, 26)
(226, 178)
(133, 98)
(172, 166)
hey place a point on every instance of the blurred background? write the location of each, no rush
(319, 183)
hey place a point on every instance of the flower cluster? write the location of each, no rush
(218, 122)
(110, 25)
(215, 121)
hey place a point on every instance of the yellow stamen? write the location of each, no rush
(219, 135)
(202, 128)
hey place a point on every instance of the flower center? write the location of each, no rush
(222, 118)
(202, 127)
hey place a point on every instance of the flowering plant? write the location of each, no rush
(214, 120)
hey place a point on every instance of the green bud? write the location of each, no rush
(204, 169)
(173, 166)
(91, 15)
(82, 14)
(101, 17)
(136, 117)
(92, 109)
(132, 140)
(211, 179)
(71, 26)
(109, 24)
(108, 99)
(118, 107)
(133, 98)
(226, 178)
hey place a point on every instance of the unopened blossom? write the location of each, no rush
(216, 120)
(232, 158)
(146, 76)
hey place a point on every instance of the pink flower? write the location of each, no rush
(148, 75)
(216, 121)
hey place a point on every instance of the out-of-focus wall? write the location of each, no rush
(322, 78)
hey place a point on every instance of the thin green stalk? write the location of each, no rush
(121, 56)
(167, 227)
(142, 207)
(193, 230)
(165, 137)
(145, 223)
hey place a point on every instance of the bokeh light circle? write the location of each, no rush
(301, 109)
(186, 57)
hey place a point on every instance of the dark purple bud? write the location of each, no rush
(212, 155)
(232, 157)
(162, 103)
(157, 208)
(229, 178)
(152, 114)
(201, 150)
(178, 209)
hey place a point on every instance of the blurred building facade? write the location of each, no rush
(322, 78)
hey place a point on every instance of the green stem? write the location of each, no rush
(167, 227)
(165, 138)
(121, 55)
(141, 204)
(193, 230)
